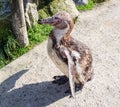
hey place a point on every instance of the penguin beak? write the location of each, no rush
(45, 21)
(52, 21)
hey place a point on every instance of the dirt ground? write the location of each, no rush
(26, 82)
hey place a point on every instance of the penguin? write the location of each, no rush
(72, 57)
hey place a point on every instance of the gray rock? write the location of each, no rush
(5, 10)
(30, 8)
(81, 2)
(31, 14)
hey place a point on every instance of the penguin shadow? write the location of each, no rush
(31, 95)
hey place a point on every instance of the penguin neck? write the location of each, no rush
(62, 34)
(59, 34)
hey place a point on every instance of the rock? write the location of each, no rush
(81, 2)
(59, 5)
(5, 10)
(31, 14)
(64, 5)
(30, 8)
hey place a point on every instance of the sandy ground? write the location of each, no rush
(26, 82)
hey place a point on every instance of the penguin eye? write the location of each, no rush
(57, 18)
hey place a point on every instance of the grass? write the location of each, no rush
(38, 33)
(88, 6)
(10, 49)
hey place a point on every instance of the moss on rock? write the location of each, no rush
(64, 5)
(42, 13)
(59, 5)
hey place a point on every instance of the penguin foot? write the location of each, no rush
(68, 91)
(59, 80)
(77, 88)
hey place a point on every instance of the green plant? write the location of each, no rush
(2, 61)
(88, 6)
(9, 47)
(38, 33)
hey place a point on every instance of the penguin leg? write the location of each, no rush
(77, 88)
(60, 80)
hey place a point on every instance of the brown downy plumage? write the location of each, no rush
(72, 57)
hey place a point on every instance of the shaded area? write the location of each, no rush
(31, 95)
(44, 3)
